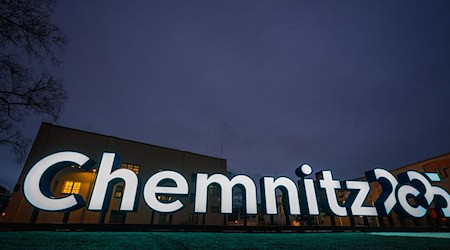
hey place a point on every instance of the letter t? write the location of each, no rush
(330, 187)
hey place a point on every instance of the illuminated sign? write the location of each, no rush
(409, 194)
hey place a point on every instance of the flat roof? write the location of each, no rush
(115, 137)
(429, 159)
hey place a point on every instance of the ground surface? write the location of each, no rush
(175, 240)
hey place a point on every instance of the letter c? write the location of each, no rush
(36, 186)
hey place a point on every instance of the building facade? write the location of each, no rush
(439, 164)
(144, 159)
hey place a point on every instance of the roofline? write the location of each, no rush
(431, 158)
(404, 166)
(144, 143)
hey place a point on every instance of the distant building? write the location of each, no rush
(144, 159)
(439, 164)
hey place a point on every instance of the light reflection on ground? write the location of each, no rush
(426, 235)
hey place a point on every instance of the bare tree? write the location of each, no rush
(27, 40)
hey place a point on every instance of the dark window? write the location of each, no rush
(163, 219)
(445, 174)
(117, 217)
(119, 192)
(213, 190)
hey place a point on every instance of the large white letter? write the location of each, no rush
(386, 201)
(151, 189)
(307, 191)
(356, 200)
(421, 183)
(226, 187)
(105, 179)
(330, 187)
(36, 186)
(403, 193)
(269, 195)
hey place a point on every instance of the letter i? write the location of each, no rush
(307, 192)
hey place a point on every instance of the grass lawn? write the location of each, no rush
(177, 240)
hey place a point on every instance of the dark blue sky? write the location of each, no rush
(342, 85)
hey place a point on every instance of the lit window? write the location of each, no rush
(164, 198)
(76, 187)
(132, 167)
(119, 192)
(71, 187)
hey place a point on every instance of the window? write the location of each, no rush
(214, 209)
(132, 167)
(119, 192)
(71, 187)
(117, 217)
(213, 190)
(164, 198)
(163, 219)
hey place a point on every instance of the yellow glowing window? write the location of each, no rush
(76, 187)
(119, 192)
(71, 187)
(132, 167)
(67, 187)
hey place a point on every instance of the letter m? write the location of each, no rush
(226, 189)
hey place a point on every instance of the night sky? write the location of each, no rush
(341, 85)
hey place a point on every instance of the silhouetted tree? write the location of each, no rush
(27, 40)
